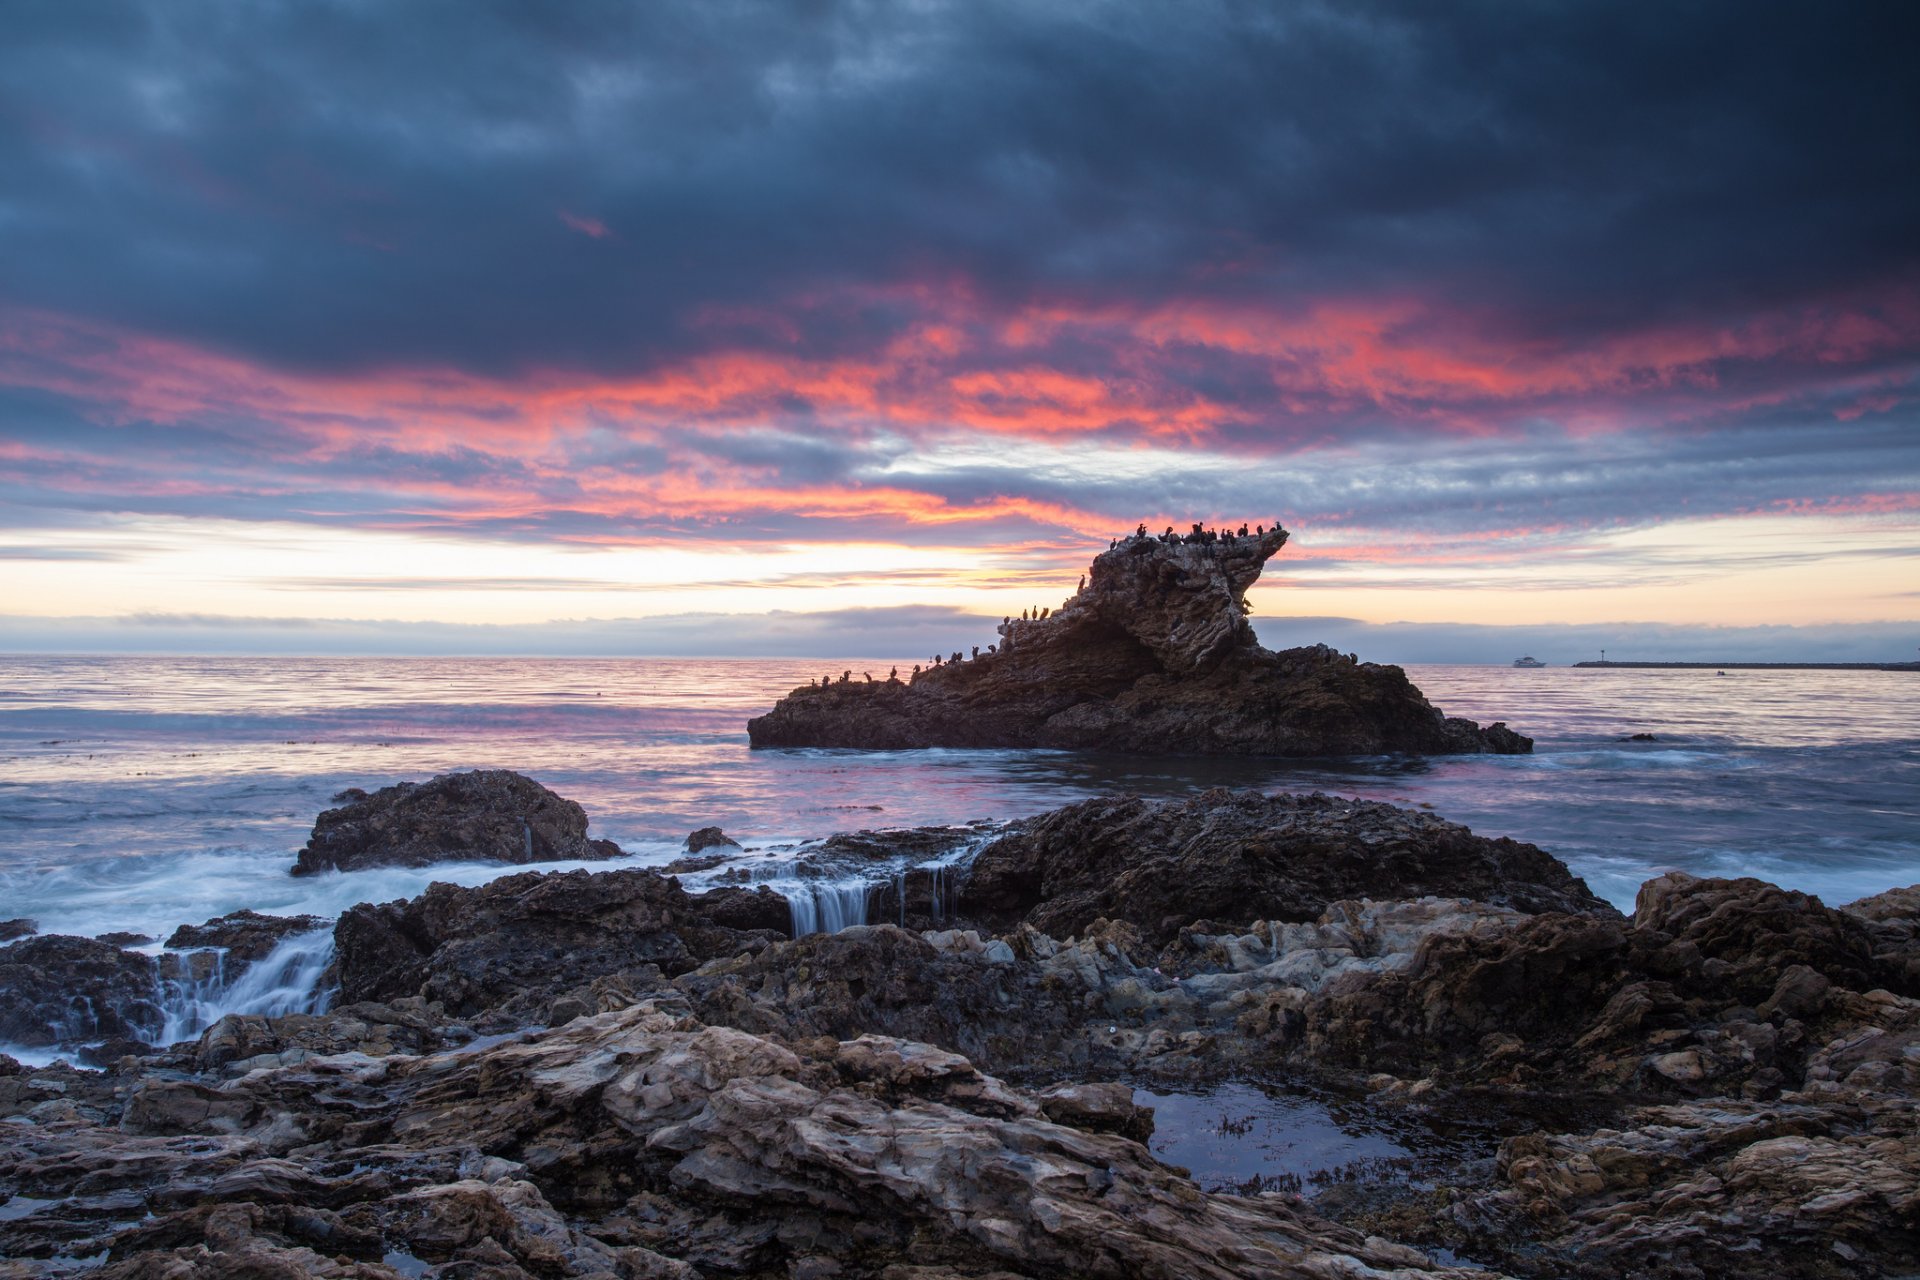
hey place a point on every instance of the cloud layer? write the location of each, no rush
(1444, 284)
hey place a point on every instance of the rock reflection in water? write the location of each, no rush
(1249, 1138)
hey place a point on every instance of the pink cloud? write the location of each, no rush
(586, 226)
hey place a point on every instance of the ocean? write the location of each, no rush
(138, 794)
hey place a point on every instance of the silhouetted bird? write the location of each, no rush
(893, 675)
(976, 651)
(1083, 582)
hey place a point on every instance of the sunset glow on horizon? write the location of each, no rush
(839, 313)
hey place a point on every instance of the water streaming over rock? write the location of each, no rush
(288, 979)
(827, 908)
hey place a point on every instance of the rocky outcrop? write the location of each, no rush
(635, 1143)
(710, 838)
(516, 945)
(1723, 987)
(1154, 654)
(491, 815)
(57, 990)
(1229, 858)
(600, 1074)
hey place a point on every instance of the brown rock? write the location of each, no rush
(1153, 655)
(485, 816)
(1236, 857)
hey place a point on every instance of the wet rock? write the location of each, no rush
(1715, 986)
(484, 816)
(1098, 1108)
(710, 838)
(1153, 655)
(1236, 857)
(57, 990)
(10, 930)
(642, 1143)
(521, 942)
(124, 938)
(243, 935)
(747, 909)
(239, 1043)
(1731, 1189)
(884, 980)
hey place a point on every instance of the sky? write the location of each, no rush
(836, 327)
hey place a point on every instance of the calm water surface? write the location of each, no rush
(141, 793)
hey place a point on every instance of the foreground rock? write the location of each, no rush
(638, 1143)
(600, 1074)
(485, 816)
(1153, 655)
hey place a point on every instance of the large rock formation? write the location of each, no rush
(491, 815)
(1153, 655)
(1229, 857)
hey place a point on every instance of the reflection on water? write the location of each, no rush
(140, 793)
(1249, 1139)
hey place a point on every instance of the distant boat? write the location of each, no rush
(1528, 661)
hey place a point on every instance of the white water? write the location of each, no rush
(826, 908)
(285, 980)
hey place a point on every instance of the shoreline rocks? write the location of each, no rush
(593, 1074)
(492, 815)
(1153, 655)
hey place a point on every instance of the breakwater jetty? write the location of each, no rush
(1760, 666)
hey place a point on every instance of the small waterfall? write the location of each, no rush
(285, 980)
(827, 908)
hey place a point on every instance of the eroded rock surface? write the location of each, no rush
(1234, 857)
(56, 989)
(492, 815)
(600, 1074)
(1154, 654)
(517, 944)
(638, 1143)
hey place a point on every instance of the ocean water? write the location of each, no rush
(137, 794)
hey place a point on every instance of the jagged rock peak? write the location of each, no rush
(1183, 596)
(1152, 654)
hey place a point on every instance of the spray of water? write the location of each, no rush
(285, 980)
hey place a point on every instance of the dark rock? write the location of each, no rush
(749, 909)
(57, 990)
(884, 980)
(1715, 986)
(108, 1052)
(708, 838)
(123, 938)
(1639, 737)
(643, 1145)
(242, 936)
(520, 942)
(1236, 857)
(19, 928)
(486, 816)
(1154, 655)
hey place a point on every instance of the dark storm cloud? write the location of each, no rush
(498, 186)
